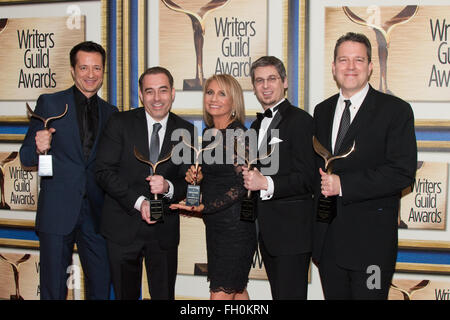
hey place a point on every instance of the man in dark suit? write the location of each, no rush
(126, 223)
(356, 250)
(284, 203)
(70, 201)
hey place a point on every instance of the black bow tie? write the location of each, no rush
(267, 114)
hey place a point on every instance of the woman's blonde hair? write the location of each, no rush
(232, 89)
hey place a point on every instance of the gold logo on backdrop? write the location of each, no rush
(15, 267)
(198, 26)
(9, 158)
(408, 293)
(3, 23)
(383, 34)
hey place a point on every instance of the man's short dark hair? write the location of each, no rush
(355, 37)
(156, 70)
(268, 61)
(86, 46)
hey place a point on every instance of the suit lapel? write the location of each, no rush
(361, 120)
(328, 143)
(141, 130)
(273, 125)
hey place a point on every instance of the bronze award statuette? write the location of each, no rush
(193, 190)
(9, 158)
(326, 210)
(3, 24)
(45, 168)
(15, 267)
(408, 293)
(198, 26)
(248, 206)
(156, 205)
(383, 35)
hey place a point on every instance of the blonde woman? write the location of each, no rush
(231, 243)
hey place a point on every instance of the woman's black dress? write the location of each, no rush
(230, 242)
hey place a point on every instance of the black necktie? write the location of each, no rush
(267, 114)
(343, 127)
(154, 143)
(89, 127)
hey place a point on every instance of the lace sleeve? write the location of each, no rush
(234, 194)
(236, 190)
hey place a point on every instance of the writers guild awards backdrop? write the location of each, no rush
(19, 276)
(406, 289)
(18, 187)
(35, 55)
(200, 38)
(423, 206)
(410, 48)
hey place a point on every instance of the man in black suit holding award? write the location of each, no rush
(356, 247)
(283, 202)
(132, 233)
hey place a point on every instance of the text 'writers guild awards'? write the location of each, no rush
(193, 190)
(326, 210)
(15, 268)
(248, 206)
(383, 35)
(198, 26)
(9, 158)
(156, 205)
(45, 167)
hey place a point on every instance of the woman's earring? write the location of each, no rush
(233, 114)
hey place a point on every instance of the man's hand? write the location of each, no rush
(330, 184)
(43, 140)
(158, 185)
(145, 212)
(254, 180)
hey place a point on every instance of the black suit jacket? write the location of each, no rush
(285, 221)
(122, 176)
(372, 178)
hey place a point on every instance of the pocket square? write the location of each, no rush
(275, 140)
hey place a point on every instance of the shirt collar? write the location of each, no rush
(80, 98)
(275, 105)
(152, 121)
(357, 99)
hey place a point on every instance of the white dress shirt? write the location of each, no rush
(356, 101)
(161, 133)
(265, 123)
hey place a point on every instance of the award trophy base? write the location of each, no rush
(15, 297)
(192, 85)
(156, 210)
(248, 212)
(193, 195)
(326, 210)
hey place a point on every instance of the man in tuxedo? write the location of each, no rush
(356, 248)
(70, 201)
(126, 223)
(284, 202)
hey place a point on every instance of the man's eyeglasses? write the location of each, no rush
(270, 80)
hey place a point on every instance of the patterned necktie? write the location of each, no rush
(89, 127)
(343, 127)
(154, 143)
